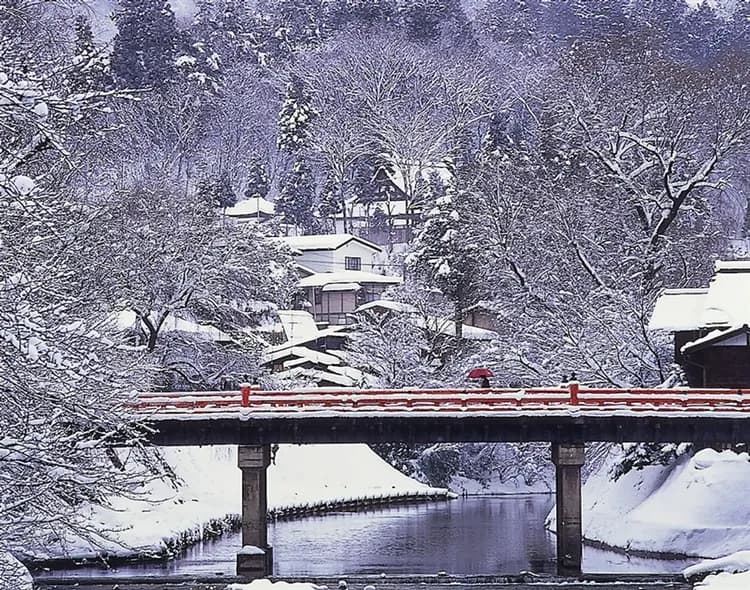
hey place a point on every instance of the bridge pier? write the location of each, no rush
(568, 459)
(255, 559)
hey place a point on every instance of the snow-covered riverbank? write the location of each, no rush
(209, 495)
(696, 506)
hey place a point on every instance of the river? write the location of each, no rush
(480, 535)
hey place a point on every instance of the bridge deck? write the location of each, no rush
(564, 415)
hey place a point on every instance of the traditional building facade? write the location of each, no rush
(710, 327)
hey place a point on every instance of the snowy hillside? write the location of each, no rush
(696, 506)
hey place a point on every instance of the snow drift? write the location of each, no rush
(697, 506)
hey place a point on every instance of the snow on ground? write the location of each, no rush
(696, 506)
(736, 562)
(725, 581)
(211, 490)
(269, 585)
(728, 573)
(496, 486)
(13, 575)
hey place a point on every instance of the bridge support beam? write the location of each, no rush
(568, 459)
(255, 560)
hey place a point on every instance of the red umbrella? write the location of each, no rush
(479, 372)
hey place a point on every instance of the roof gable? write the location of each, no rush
(724, 304)
(326, 242)
(738, 336)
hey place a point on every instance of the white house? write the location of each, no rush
(334, 252)
(333, 296)
(338, 274)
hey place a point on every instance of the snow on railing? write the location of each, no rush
(570, 395)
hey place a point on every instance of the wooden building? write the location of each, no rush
(710, 327)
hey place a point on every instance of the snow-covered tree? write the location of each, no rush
(197, 62)
(145, 46)
(217, 190)
(66, 388)
(297, 197)
(295, 117)
(92, 71)
(391, 348)
(443, 256)
(257, 183)
(180, 266)
(329, 203)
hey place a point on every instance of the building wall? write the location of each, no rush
(481, 319)
(334, 307)
(317, 260)
(354, 249)
(335, 260)
(719, 366)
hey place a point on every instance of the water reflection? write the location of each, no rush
(487, 535)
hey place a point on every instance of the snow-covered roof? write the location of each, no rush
(317, 375)
(303, 355)
(252, 207)
(387, 304)
(126, 319)
(342, 287)
(678, 310)
(325, 242)
(304, 270)
(725, 303)
(302, 352)
(298, 324)
(434, 323)
(320, 279)
(330, 331)
(737, 336)
(728, 300)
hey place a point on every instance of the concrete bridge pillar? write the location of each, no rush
(255, 559)
(568, 459)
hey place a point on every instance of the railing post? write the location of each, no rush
(245, 390)
(573, 387)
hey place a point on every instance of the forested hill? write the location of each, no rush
(595, 150)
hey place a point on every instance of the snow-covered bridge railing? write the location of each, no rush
(572, 396)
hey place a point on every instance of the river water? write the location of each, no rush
(481, 535)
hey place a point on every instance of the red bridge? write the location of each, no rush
(566, 416)
(571, 398)
(559, 414)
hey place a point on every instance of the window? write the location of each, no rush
(318, 296)
(353, 263)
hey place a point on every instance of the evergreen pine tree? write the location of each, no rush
(257, 183)
(145, 46)
(218, 191)
(295, 117)
(297, 197)
(444, 256)
(91, 65)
